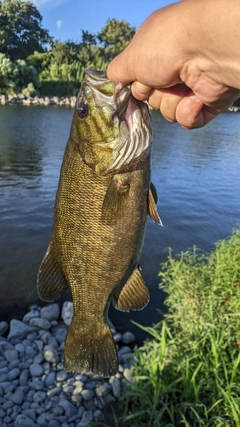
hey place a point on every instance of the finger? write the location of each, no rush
(140, 91)
(191, 113)
(167, 100)
(179, 104)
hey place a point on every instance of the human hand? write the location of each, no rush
(182, 63)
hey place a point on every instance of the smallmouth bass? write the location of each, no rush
(103, 199)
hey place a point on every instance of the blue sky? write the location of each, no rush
(65, 18)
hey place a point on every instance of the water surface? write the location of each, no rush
(195, 172)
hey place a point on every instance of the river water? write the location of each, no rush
(196, 173)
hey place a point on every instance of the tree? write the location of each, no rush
(88, 38)
(24, 74)
(39, 60)
(63, 52)
(21, 31)
(17, 76)
(6, 73)
(115, 36)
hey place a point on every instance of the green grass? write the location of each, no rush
(188, 374)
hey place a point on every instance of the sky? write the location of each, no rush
(65, 18)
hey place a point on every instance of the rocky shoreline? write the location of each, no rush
(57, 100)
(38, 100)
(35, 390)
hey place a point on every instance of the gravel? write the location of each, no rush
(35, 390)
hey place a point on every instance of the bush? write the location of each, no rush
(59, 88)
(30, 91)
(6, 74)
(16, 76)
(189, 374)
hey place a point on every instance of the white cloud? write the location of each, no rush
(59, 24)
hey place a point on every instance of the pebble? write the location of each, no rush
(35, 390)
(60, 335)
(10, 355)
(128, 338)
(14, 373)
(36, 370)
(40, 323)
(50, 354)
(116, 387)
(50, 312)
(67, 312)
(20, 347)
(23, 377)
(50, 379)
(31, 315)
(18, 397)
(18, 329)
(127, 375)
(87, 394)
(117, 337)
(3, 327)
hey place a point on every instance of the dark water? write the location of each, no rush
(197, 175)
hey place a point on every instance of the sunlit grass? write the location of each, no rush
(189, 373)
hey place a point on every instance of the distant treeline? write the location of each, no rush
(33, 63)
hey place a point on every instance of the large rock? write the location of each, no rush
(50, 312)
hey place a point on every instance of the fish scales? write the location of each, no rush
(99, 226)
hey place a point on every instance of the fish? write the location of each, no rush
(103, 199)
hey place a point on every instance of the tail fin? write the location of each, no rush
(93, 351)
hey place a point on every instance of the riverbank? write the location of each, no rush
(35, 390)
(38, 100)
(56, 100)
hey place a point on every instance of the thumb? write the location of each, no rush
(119, 69)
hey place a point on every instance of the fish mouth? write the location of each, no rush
(116, 93)
(130, 115)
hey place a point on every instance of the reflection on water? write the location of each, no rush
(195, 172)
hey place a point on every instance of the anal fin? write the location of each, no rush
(51, 282)
(134, 295)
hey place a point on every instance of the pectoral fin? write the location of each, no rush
(152, 204)
(51, 282)
(114, 201)
(134, 295)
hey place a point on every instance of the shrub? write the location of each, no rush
(189, 373)
(30, 90)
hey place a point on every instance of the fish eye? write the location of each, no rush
(82, 110)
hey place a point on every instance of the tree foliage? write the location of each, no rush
(21, 31)
(25, 65)
(16, 76)
(115, 36)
